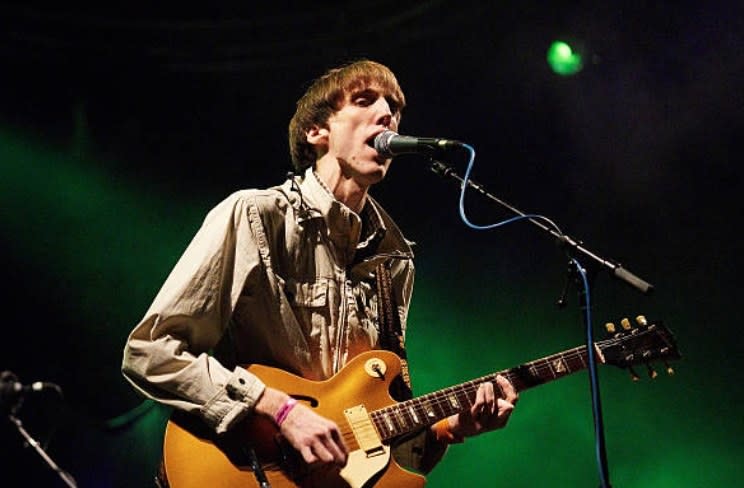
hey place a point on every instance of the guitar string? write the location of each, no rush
(443, 397)
(439, 398)
(399, 414)
(540, 367)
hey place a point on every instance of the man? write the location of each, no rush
(291, 277)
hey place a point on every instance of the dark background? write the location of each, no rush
(120, 127)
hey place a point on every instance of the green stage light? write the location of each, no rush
(563, 60)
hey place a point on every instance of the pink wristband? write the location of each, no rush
(284, 410)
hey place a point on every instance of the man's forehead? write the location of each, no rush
(361, 85)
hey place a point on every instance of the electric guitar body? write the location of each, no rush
(195, 457)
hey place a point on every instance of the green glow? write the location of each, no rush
(74, 221)
(106, 242)
(563, 59)
(454, 336)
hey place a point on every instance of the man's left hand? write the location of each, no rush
(489, 411)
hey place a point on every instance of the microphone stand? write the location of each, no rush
(66, 477)
(573, 248)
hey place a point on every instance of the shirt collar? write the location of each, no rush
(345, 225)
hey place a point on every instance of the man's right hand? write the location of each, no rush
(316, 438)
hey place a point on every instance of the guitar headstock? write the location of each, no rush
(643, 343)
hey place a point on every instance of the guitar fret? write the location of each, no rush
(412, 412)
(420, 409)
(452, 399)
(559, 366)
(408, 414)
(388, 423)
(429, 410)
(400, 417)
(582, 357)
(453, 402)
(393, 413)
(443, 404)
(537, 372)
(577, 360)
(550, 368)
(465, 398)
(378, 421)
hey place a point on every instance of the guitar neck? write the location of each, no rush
(411, 415)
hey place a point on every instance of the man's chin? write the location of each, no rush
(370, 172)
(378, 174)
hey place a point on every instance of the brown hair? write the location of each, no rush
(327, 94)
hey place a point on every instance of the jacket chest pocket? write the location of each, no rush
(312, 294)
(313, 306)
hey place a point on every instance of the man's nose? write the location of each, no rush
(385, 121)
(385, 117)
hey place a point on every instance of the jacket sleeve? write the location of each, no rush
(166, 356)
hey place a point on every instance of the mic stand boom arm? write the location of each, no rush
(615, 269)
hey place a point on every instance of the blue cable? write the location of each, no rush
(593, 377)
(465, 218)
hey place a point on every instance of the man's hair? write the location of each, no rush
(326, 95)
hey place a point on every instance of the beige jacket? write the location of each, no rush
(278, 276)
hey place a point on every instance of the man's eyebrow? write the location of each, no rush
(372, 90)
(367, 90)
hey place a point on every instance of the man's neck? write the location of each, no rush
(344, 188)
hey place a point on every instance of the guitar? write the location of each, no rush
(357, 398)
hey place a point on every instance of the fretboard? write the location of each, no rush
(411, 415)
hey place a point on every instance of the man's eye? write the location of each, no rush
(363, 101)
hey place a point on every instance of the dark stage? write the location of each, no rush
(121, 127)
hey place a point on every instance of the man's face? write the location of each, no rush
(352, 129)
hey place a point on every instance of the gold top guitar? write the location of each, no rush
(357, 398)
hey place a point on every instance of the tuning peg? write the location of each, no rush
(633, 375)
(625, 323)
(641, 320)
(651, 372)
(610, 327)
(669, 369)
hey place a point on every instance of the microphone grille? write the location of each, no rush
(382, 142)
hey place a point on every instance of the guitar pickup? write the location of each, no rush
(364, 431)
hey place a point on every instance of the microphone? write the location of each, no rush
(10, 387)
(14, 387)
(389, 143)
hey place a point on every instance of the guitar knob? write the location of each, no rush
(651, 372)
(610, 327)
(625, 323)
(641, 320)
(633, 375)
(669, 369)
(376, 368)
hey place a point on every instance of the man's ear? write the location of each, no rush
(317, 136)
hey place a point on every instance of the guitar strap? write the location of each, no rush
(413, 451)
(391, 332)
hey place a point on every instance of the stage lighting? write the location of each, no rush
(563, 59)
